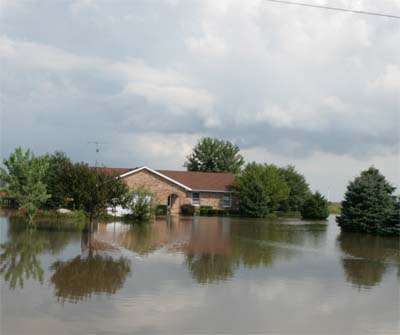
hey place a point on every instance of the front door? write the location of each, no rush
(173, 204)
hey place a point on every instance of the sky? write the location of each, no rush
(314, 88)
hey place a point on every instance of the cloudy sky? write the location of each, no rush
(290, 85)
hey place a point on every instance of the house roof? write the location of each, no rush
(208, 181)
(191, 181)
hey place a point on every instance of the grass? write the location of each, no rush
(334, 208)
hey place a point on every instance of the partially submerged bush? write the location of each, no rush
(315, 207)
(161, 210)
(140, 204)
(187, 209)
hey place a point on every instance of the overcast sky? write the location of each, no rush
(290, 85)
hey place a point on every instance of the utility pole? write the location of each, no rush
(97, 145)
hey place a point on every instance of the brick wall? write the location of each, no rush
(162, 188)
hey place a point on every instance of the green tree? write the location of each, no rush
(214, 155)
(23, 177)
(369, 205)
(298, 189)
(140, 203)
(315, 207)
(55, 180)
(93, 190)
(260, 188)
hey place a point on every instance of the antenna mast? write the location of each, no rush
(97, 144)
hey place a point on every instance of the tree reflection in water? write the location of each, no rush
(93, 272)
(20, 256)
(370, 257)
(214, 253)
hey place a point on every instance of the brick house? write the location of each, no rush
(175, 188)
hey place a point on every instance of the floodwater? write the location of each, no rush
(198, 276)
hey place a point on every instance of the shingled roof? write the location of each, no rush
(205, 181)
(209, 181)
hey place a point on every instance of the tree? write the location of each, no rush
(260, 188)
(93, 190)
(298, 189)
(214, 155)
(55, 180)
(369, 205)
(140, 204)
(315, 207)
(23, 177)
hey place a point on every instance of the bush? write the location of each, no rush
(204, 210)
(187, 209)
(139, 202)
(161, 210)
(315, 207)
(369, 205)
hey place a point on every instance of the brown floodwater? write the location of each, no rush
(198, 276)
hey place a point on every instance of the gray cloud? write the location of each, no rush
(289, 82)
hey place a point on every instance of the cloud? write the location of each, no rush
(296, 82)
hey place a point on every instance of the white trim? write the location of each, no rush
(156, 173)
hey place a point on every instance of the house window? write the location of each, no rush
(227, 200)
(196, 198)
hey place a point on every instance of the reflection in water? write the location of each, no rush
(215, 251)
(215, 248)
(20, 256)
(370, 257)
(188, 269)
(207, 268)
(90, 273)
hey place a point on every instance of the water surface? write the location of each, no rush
(198, 276)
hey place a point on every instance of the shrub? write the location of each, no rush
(187, 209)
(315, 207)
(139, 202)
(369, 205)
(204, 210)
(161, 210)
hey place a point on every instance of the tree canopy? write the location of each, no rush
(92, 190)
(214, 155)
(260, 188)
(23, 177)
(54, 180)
(370, 206)
(315, 207)
(298, 189)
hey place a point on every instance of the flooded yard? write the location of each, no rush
(199, 276)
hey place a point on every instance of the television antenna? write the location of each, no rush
(97, 146)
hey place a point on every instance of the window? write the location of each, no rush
(227, 200)
(196, 198)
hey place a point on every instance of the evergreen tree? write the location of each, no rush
(315, 207)
(369, 205)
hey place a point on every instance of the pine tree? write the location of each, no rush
(369, 205)
(315, 207)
